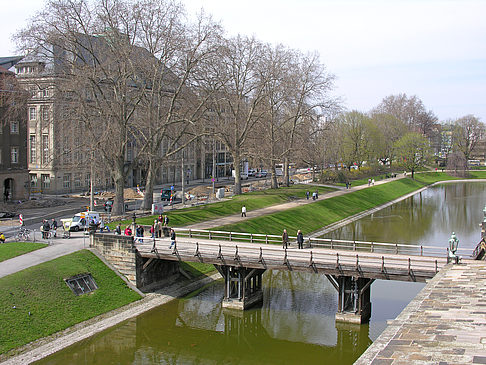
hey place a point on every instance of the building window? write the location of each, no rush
(46, 181)
(32, 113)
(87, 179)
(33, 180)
(45, 149)
(77, 180)
(45, 92)
(14, 127)
(33, 147)
(33, 92)
(14, 154)
(45, 113)
(66, 181)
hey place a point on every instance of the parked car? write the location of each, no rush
(81, 220)
(262, 173)
(252, 172)
(108, 205)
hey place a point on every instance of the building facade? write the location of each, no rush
(14, 181)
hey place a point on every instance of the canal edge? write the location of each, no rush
(58, 341)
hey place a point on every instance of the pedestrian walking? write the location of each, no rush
(369, 182)
(317, 194)
(2, 237)
(172, 238)
(373, 182)
(159, 229)
(285, 239)
(117, 229)
(54, 226)
(166, 220)
(45, 229)
(243, 211)
(307, 195)
(300, 239)
(314, 195)
(128, 231)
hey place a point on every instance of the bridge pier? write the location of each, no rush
(354, 298)
(242, 286)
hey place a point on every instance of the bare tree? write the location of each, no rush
(235, 94)
(466, 133)
(171, 105)
(410, 110)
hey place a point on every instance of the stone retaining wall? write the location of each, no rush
(119, 251)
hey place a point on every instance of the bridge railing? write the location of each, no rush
(328, 243)
(267, 256)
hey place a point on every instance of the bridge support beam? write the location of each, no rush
(242, 286)
(354, 298)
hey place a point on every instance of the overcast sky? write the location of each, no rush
(435, 49)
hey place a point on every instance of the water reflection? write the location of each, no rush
(294, 325)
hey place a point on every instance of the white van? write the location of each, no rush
(81, 220)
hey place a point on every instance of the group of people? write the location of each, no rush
(46, 227)
(315, 195)
(160, 224)
(285, 239)
(158, 227)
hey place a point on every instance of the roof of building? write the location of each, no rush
(11, 60)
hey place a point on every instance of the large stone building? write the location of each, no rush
(14, 181)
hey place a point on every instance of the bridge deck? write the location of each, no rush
(444, 324)
(387, 266)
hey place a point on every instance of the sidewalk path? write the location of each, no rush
(58, 248)
(236, 218)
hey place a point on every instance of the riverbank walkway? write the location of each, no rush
(236, 218)
(444, 324)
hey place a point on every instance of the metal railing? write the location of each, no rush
(328, 243)
(316, 260)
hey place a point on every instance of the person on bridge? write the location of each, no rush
(243, 211)
(300, 239)
(285, 239)
(172, 238)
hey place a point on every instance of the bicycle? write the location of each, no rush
(23, 235)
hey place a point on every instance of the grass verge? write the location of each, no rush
(12, 249)
(197, 269)
(42, 292)
(312, 217)
(253, 200)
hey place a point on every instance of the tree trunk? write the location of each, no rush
(236, 164)
(148, 198)
(286, 171)
(119, 178)
(274, 177)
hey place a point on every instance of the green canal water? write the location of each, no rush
(295, 324)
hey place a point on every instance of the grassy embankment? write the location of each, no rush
(12, 249)
(41, 290)
(312, 217)
(252, 201)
